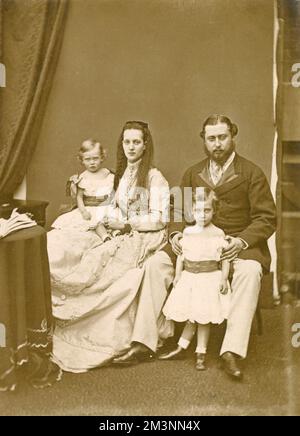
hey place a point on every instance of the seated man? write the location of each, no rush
(247, 213)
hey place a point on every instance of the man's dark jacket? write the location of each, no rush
(245, 209)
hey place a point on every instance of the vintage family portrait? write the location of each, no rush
(149, 208)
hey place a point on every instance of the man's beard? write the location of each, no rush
(220, 158)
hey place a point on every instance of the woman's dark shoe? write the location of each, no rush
(200, 362)
(178, 353)
(230, 366)
(133, 357)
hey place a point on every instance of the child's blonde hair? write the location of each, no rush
(90, 144)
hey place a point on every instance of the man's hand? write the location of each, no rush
(176, 247)
(233, 248)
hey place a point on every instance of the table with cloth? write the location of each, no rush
(25, 311)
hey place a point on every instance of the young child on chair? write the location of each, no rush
(200, 293)
(93, 189)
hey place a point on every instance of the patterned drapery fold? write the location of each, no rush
(31, 37)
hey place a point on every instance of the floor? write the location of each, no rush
(270, 387)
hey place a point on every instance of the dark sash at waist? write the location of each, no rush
(201, 266)
(93, 200)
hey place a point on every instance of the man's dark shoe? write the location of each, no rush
(230, 366)
(178, 353)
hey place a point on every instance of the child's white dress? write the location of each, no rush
(197, 296)
(97, 189)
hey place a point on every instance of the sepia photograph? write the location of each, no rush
(149, 210)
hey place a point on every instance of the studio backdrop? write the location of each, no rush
(168, 62)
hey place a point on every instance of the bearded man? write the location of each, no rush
(246, 213)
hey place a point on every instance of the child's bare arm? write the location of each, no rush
(79, 197)
(179, 269)
(225, 274)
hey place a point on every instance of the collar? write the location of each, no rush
(134, 166)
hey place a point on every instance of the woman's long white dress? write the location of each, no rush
(96, 291)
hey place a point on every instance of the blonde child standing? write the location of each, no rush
(200, 294)
(93, 189)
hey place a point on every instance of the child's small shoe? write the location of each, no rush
(200, 362)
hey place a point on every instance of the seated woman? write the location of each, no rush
(110, 300)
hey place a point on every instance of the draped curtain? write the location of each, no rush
(31, 37)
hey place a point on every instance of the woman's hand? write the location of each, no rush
(224, 286)
(233, 248)
(146, 223)
(113, 224)
(175, 243)
(86, 214)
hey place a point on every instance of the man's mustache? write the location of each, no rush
(211, 153)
